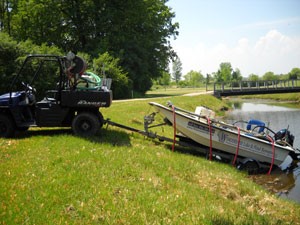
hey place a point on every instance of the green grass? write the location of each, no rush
(49, 176)
(132, 113)
(173, 91)
(287, 97)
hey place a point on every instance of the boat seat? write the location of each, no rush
(256, 123)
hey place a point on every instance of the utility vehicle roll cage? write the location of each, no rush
(43, 58)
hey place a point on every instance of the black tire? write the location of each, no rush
(22, 129)
(85, 124)
(7, 126)
(101, 119)
(251, 166)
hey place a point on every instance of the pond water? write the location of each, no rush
(285, 184)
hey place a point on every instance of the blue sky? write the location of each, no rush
(255, 36)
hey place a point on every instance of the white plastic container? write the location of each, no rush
(204, 113)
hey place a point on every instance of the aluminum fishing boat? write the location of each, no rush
(253, 142)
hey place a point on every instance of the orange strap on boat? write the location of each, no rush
(273, 153)
(210, 138)
(174, 126)
(237, 147)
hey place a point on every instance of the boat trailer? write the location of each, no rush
(250, 165)
(148, 120)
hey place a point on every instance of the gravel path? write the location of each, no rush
(140, 99)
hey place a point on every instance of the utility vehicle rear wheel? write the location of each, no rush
(85, 124)
(7, 126)
(101, 119)
(22, 129)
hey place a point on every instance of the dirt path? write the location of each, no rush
(199, 93)
(189, 94)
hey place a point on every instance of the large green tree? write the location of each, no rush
(8, 54)
(194, 78)
(224, 73)
(294, 73)
(137, 32)
(6, 12)
(253, 77)
(12, 55)
(269, 76)
(108, 66)
(227, 74)
(165, 79)
(236, 75)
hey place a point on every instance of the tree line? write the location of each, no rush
(224, 74)
(133, 35)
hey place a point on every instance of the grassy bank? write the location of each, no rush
(174, 91)
(288, 97)
(49, 176)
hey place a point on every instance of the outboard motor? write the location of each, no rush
(285, 135)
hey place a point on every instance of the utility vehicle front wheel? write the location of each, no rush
(85, 124)
(7, 126)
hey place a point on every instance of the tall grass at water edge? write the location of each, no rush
(285, 97)
(49, 176)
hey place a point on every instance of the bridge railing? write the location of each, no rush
(246, 85)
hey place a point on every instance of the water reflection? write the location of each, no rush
(254, 107)
(284, 184)
(276, 117)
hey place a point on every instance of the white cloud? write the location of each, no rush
(272, 52)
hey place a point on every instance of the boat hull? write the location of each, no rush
(224, 138)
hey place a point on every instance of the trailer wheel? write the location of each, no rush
(249, 165)
(85, 124)
(7, 126)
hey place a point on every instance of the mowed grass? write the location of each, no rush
(175, 91)
(285, 97)
(49, 176)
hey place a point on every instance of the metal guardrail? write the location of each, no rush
(256, 87)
